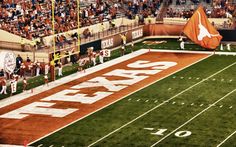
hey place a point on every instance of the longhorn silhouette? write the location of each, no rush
(203, 31)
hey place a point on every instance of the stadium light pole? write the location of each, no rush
(78, 23)
(52, 62)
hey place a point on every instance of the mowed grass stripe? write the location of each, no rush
(228, 141)
(210, 128)
(99, 124)
(187, 122)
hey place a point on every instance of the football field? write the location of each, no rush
(192, 107)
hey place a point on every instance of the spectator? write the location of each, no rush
(72, 57)
(46, 69)
(19, 60)
(22, 44)
(37, 68)
(87, 33)
(22, 70)
(90, 53)
(28, 59)
(1, 73)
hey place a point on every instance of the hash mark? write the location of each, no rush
(150, 129)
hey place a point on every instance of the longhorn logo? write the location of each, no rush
(203, 31)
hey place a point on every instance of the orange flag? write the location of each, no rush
(201, 31)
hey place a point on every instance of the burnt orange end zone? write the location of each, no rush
(33, 127)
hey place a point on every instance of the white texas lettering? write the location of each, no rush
(155, 65)
(82, 98)
(42, 108)
(98, 82)
(74, 94)
(133, 75)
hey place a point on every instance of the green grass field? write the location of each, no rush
(193, 107)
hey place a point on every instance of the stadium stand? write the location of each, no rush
(32, 19)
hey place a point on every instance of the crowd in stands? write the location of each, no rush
(98, 12)
(33, 18)
(222, 8)
(214, 9)
(143, 9)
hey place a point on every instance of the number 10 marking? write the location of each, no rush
(161, 132)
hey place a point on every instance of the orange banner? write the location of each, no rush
(201, 31)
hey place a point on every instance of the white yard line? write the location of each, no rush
(226, 139)
(159, 105)
(120, 98)
(192, 118)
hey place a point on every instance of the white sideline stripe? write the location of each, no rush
(120, 98)
(193, 118)
(226, 139)
(159, 105)
(195, 52)
(10, 145)
(37, 90)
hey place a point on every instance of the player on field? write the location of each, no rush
(60, 69)
(4, 86)
(25, 83)
(46, 79)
